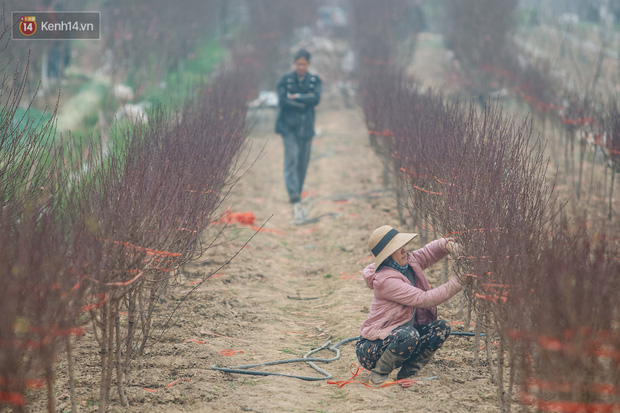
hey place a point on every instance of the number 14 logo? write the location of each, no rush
(28, 25)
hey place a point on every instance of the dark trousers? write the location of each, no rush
(296, 160)
(405, 341)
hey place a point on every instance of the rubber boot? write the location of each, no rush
(412, 366)
(388, 362)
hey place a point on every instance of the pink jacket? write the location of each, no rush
(395, 299)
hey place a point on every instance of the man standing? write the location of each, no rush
(298, 93)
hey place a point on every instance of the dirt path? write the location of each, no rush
(289, 291)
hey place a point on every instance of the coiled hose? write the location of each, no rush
(245, 369)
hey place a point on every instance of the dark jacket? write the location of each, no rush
(296, 116)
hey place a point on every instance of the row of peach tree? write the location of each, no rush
(89, 235)
(544, 280)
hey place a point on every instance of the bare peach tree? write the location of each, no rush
(142, 48)
(83, 239)
(478, 32)
(44, 254)
(483, 178)
(610, 138)
(149, 201)
(383, 37)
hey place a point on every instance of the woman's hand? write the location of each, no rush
(454, 248)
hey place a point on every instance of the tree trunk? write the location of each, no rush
(120, 382)
(591, 179)
(477, 332)
(71, 372)
(582, 152)
(103, 351)
(611, 193)
(49, 380)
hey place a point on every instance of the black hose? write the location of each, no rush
(305, 359)
(465, 333)
(244, 369)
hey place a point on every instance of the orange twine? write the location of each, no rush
(124, 284)
(16, 399)
(104, 299)
(426, 190)
(594, 347)
(194, 340)
(384, 132)
(168, 386)
(176, 381)
(495, 343)
(565, 387)
(149, 251)
(29, 383)
(229, 352)
(359, 369)
(244, 218)
(494, 298)
(578, 121)
(568, 406)
(605, 146)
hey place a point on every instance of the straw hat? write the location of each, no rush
(385, 241)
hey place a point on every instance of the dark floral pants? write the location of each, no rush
(404, 341)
